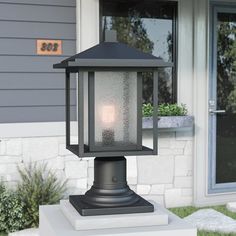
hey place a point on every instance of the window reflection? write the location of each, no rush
(226, 62)
(226, 99)
(148, 26)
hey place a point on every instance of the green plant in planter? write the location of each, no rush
(165, 110)
(147, 110)
(38, 186)
(172, 110)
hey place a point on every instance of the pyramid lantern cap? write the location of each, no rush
(112, 54)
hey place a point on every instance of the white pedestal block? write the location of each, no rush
(54, 223)
(158, 217)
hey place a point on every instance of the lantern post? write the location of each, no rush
(110, 85)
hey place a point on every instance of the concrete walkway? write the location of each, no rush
(211, 220)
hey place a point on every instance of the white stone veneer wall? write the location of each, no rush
(166, 178)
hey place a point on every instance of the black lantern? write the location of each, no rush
(110, 85)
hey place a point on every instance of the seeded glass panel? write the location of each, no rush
(74, 139)
(147, 124)
(115, 106)
(86, 118)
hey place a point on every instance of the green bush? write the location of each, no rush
(2, 187)
(165, 110)
(38, 186)
(11, 211)
(172, 110)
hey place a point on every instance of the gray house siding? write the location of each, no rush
(30, 90)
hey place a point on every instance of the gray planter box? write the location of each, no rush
(169, 122)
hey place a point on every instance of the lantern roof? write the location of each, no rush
(111, 55)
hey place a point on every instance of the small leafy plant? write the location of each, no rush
(38, 186)
(19, 209)
(165, 110)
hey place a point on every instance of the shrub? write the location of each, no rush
(19, 209)
(172, 110)
(165, 110)
(2, 188)
(11, 211)
(38, 186)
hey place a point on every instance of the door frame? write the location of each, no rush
(213, 187)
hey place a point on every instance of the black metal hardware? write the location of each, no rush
(110, 193)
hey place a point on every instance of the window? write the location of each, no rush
(151, 27)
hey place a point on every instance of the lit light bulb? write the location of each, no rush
(108, 114)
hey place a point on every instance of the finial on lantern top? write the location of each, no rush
(111, 36)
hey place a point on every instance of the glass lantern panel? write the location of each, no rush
(117, 111)
(147, 124)
(73, 116)
(72, 126)
(86, 99)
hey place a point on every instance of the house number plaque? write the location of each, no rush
(49, 47)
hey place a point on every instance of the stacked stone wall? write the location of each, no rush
(166, 178)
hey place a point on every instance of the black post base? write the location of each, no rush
(79, 203)
(110, 193)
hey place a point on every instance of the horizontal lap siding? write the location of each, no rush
(34, 30)
(34, 114)
(33, 98)
(27, 47)
(32, 64)
(37, 13)
(33, 81)
(65, 3)
(30, 89)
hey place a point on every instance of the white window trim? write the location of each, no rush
(88, 24)
(185, 54)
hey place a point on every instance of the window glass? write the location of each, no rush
(226, 98)
(150, 27)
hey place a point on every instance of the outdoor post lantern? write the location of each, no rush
(110, 85)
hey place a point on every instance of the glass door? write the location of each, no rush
(222, 103)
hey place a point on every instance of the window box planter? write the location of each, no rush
(169, 122)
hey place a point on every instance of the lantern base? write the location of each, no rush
(79, 203)
(110, 193)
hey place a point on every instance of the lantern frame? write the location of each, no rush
(81, 149)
